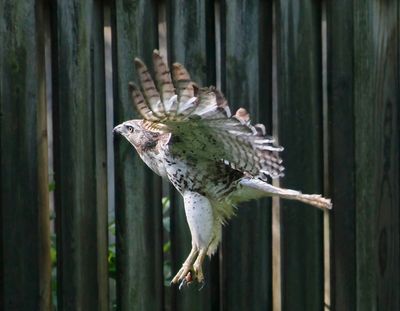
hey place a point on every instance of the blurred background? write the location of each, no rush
(84, 225)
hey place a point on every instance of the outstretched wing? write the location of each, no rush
(201, 123)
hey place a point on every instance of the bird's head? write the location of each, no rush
(139, 135)
(133, 131)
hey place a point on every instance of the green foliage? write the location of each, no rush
(167, 242)
(112, 268)
(52, 186)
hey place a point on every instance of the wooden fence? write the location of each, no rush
(322, 75)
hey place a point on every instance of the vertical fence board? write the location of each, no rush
(376, 95)
(300, 132)
(247, 63)
(137, 190)
(100, 150)
(363, 98)
(191, 43)
(78, 100)
(24, 215)
(341, 153)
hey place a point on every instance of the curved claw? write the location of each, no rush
(183, 283)
(202, 284)
(186, 280)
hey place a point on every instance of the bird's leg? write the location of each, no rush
(198, 265)
(200, 217)
(186, 266)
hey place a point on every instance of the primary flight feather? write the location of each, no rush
(213, 158)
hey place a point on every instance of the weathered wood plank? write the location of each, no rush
(247, 71)
(191, 43)
(137, 190)
(24, 217)
(79, 134)
(100, 146)
(376, 111)
(300, 132)
(340, 76)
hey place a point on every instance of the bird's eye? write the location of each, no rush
(130, 129)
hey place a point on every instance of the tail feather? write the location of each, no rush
(254, 188)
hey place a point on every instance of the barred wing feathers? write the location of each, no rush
(201, 123)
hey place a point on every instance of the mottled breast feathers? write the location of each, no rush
(201, 123)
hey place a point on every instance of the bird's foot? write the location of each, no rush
(185, 282)
(187, 275)
(184, 276)
(190, 271)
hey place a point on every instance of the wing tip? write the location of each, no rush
(242, 115)
(179, 72)
(261, 129)
(177, 65)
(159, 58)
(139, 63)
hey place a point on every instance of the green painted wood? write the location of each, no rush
(137, 189)
(376, 111)
(191, 42)
(341, 153)
(247, 72)
(300, 132)
(79, 135)
(24, 213)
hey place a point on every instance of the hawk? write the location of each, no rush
(213, 158)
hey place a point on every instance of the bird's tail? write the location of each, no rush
(255, 188)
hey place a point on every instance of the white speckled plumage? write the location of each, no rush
(215, 160)
(199, 215)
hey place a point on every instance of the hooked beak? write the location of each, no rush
(119, 129)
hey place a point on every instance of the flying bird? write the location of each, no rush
(213, 158)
